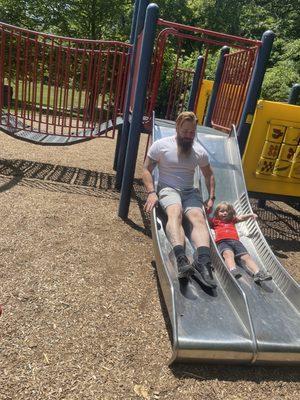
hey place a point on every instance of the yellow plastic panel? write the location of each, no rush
(271, 122)
(287, 152)
(295, 170)
(265, 166)
(282, 168)
(203, 98)
(276, 133)
(292, 135)
(297, 154)
(271, 150)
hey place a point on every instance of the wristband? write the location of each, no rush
(213, 198)
(152, 191)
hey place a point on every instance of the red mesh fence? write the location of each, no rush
(233, 88)
(61, 86)
(235, 80)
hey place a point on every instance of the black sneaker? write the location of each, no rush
(203, 272)
(261, 277)
(184, 267)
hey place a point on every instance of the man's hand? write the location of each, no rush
(151, 202)
(208, 205)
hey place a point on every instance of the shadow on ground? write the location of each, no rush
(235, 373)
(280, 226)
(71, 180)
(47, 176)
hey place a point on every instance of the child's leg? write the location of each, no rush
(228, 256)
(259, 276)
(251, 264)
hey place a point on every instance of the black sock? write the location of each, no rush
(203, 255)
(178, 250)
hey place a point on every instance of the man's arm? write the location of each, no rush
(210, 184)
(152, 198)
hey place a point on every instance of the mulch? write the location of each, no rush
(82, 312)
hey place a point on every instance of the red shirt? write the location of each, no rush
(224, 229)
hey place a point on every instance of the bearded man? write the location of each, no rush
(177, 158)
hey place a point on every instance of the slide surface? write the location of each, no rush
(239, 322)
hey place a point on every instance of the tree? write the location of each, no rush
(92, 19)
(280, 78)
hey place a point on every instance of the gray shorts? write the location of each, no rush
(187, 198)
(235, 246)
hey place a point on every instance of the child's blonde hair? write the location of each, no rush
(230, 209)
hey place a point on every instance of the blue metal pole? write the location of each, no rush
(254, 89)
(294, 94)
(117, 149)
(138, 109)
(134, 21)
(131, 40)
(141, 5)
(195, 84)
(213, 97)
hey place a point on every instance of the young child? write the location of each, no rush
(228, 242)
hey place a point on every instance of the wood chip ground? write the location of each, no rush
(82, 317)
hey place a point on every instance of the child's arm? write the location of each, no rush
(244, 217)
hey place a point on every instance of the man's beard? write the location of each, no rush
(185, 145)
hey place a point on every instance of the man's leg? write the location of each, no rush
(175, 234)
(199, 234)
(174, 227)
(200, 238)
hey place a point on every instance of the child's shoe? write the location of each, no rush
(235, 272)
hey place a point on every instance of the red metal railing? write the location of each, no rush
(61, 86)
(179, 91)
(233, 88)
(238, 70)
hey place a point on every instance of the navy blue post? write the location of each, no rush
(294, 94)
(254, 89)
(138, 108)
(134, 21)
(142, 6)
(117, 149)
(131, 40)
(213, 97)
(195, 84)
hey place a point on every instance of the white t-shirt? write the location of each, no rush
(177, 170)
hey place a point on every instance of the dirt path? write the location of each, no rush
(82, 316)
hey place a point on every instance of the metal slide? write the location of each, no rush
(239, 322)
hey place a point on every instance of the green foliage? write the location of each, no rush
(218, 15)
(92, 19)
(111, 19)
(280, 78)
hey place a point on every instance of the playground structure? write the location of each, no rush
(272, 171)
(58, 90)
(64, 91)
